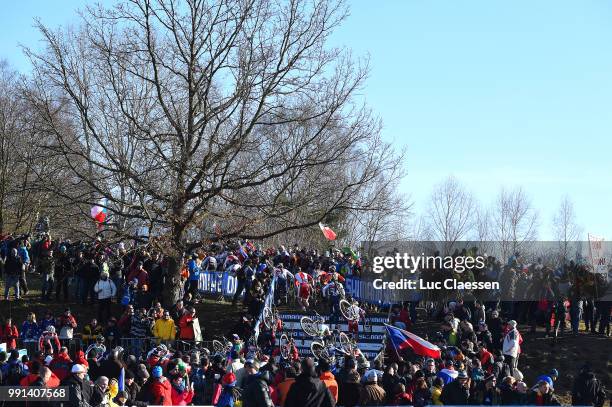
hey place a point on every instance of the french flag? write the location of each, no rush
(401, 339)
(243, 253)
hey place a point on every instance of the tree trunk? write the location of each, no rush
(172, 290)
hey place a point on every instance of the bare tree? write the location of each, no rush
(196, 113)
(24, 161)
(514, 220)
(451, 213)
(482, 230)
(564, 225)
(387, 219)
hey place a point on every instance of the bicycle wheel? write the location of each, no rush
(284, 346)
(347, 310)
(319, 351)
(309, 326)
(268, 317)
(345, 343)
(218, 346)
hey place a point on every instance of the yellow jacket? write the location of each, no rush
(435, 395)
(164, 329)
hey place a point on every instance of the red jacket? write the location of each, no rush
(161, 390)
(29, 379)
(141, 275)
(61, 365)
(186, 327)
(181, 399)
(9, 335)
(52, 340)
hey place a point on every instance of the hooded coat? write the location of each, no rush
(309, 392)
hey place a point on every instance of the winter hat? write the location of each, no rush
(142, 371)
(370, 376)
(462, 375)
(228, 378)
(512, 323)
(78, 369)
(157, 372)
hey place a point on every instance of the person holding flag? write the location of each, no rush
(401, 340)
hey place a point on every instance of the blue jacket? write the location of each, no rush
(44, 324)
(29, 330)
(194, 270)
(23, 253)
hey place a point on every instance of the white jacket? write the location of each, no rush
(511, 343)
(105, 289)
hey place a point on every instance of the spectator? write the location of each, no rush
(67, 324)
(79, 388)
(160, 388)
(257, 391)
(512, 344)
(99, 395)
(106, 290)
(371, 394)
(542, 395)
(47, 321)
(9, 334)
(349, 391)
(61, 364)
(436, 391)
(587, 390)
(13, 370)
(13, 267)
(140, 275)
(91, 331)
(283, 387)
(46, 266)
(457, 392)
(400, 396)
(181, 393)
(328, 379)
(140, 328)
(186, 325)
(164, 328)
(308, 390)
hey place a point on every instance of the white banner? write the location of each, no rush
(598, 256)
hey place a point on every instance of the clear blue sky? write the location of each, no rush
(496, 93)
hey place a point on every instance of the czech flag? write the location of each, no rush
(98, 212)
(401, 339)
(329, 234)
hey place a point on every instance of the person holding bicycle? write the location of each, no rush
(335, 292)
(353, 324)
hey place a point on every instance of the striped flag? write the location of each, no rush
(329, 234)
(401, 339)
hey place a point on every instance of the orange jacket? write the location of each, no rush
(330, 382)
(283, 389)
